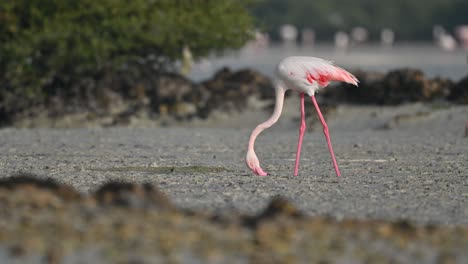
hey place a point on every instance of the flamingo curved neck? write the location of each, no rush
(280, 90)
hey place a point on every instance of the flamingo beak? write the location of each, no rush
(259, 171)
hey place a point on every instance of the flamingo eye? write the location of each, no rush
(291, 73)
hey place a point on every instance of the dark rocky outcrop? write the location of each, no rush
(459, 92)
(170, 96)
(396, 87)
(229, 90)
(165, 94)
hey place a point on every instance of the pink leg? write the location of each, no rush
(301, 136)
(327, 136)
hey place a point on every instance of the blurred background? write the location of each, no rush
(111, 62)
(371, 35)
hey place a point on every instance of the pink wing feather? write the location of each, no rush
(323, 72)
(319, 70)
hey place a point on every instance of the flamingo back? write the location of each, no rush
(308, 74)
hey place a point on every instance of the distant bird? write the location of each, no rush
(341, 41)
(447, 42)
(305, 75)
(387, 37)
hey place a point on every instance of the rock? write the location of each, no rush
(31, 182)
(459, 92)
(174, 95)
(352, 94)
(277, 208)
(169, 90)
(33, 192)
(229, 90)
(253, 82)
(396, 87)
(280, 206)
(132, 195)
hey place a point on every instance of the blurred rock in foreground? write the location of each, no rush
(43, 221)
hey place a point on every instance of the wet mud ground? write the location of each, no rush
(403, 197)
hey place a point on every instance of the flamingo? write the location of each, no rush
(305, 75)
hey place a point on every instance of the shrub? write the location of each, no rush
(51, 46)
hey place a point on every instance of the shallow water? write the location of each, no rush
(427, 57)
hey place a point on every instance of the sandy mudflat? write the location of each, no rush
(406, 162)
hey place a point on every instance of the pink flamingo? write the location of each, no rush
(305, 75)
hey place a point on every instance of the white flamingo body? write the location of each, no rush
(305, 75)
(309, 74)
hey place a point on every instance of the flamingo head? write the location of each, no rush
(254, 164)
